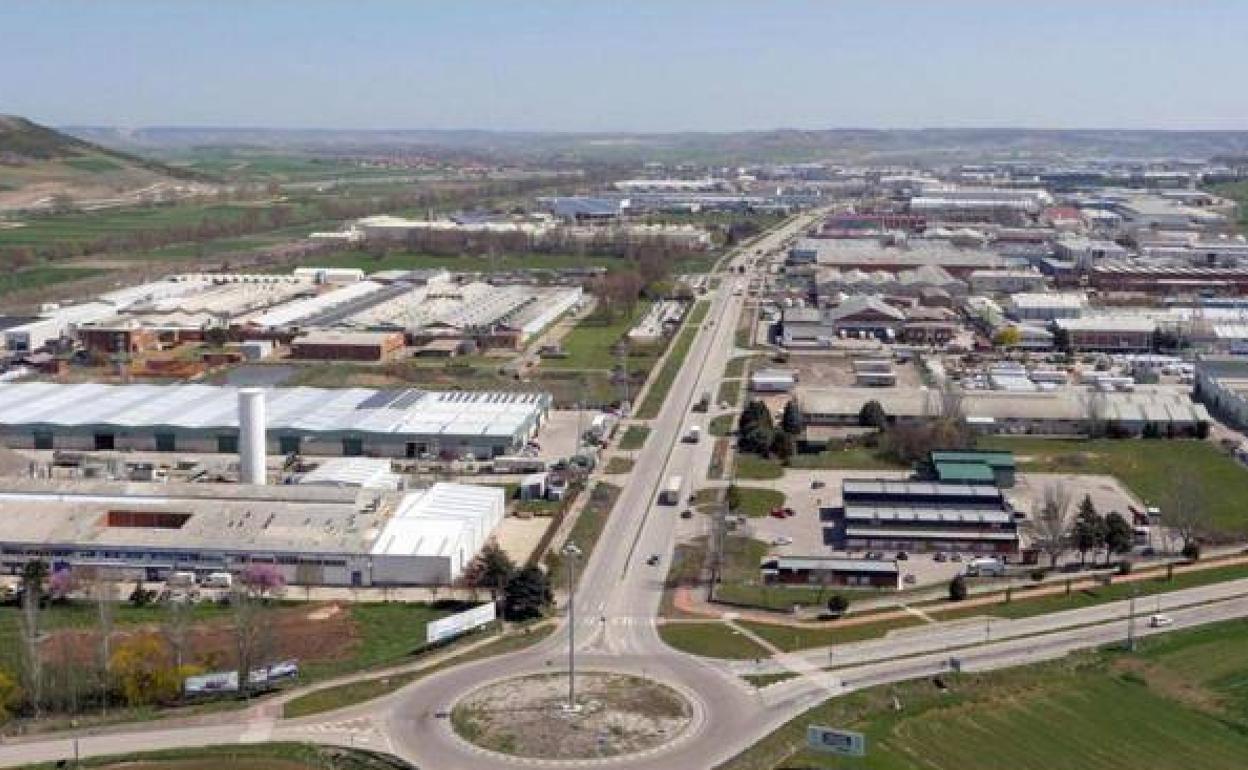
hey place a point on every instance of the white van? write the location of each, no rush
(180, 580)
(218, 580)
(985, 567)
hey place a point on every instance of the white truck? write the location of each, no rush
(671, 493)
(693, 435)
(985, 567)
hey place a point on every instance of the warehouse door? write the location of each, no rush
(165, 442)
(288, 445)
(43, 439)
(352, 447)
(105, 442)
(227, 444)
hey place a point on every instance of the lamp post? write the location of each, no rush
(572, 553)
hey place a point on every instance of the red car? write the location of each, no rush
(778, 513)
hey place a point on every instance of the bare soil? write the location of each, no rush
(619, 714)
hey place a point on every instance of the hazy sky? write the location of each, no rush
(642, 65)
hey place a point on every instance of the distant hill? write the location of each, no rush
(846, 145)
(41, 167)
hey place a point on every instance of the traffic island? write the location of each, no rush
(615, 715)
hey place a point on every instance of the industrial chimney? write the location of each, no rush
(251, 445)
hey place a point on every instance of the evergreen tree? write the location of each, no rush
(1088, 533)
(1119, 536)
(872, 415)
(527, 594)
(792, 422)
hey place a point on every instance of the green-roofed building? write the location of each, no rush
(971, 467)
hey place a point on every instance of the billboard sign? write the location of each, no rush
(846, 743)
(460, 623)
(227, 681)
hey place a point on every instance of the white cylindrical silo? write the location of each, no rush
(251, 448)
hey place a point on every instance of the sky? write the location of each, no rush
(645, 65)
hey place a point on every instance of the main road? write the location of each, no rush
(618, 600)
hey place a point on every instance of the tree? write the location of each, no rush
(1088, 532)
(493, 569)
(250, 633)
(1051, 523)
(792, 422)
(144, 672)
(733, 497)
(104, 592)
(10, 696)
(61, 584)
(783, 446)
(262, 579)
(755, 429)
(1119, 535)
(175, 627)
(1184, 506)
(527, 594)
(837, 604)
(1007, 337)
(872, 415)
(33, 575)
(957, 589)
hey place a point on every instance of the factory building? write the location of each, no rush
(1109, 333)
(922, 516)
(315, 535)
(830, 571)
(312, 421)
(337, 345)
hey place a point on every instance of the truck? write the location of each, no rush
(693, 435)
(671, 493)
(704, 403)
(985, 567)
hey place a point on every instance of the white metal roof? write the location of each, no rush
(193, 407)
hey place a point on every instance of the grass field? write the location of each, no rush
(254, 756)
(618, 465)
(593, 518)
(499, 263)
(1146, 467)
(723, 425)
(662, 382)
(39, 277)
(757, 501)
(755, 467)
(634, 437)
(590, 345)
(711, 640)
(340, 696)
(729, 392)
(1178, 702)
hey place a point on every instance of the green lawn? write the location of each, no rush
(634, 437)
(755, 467)
(729, 392)
(251, 756)
(590, 345)
(723, 425)
(331, 698)
(662, 382)
(735, 369)
(1179, 702)
(1146, 467)
(711, 640)
(618, 465)
(794, 638)
(756, 501)
(466, 263)
(39, 277)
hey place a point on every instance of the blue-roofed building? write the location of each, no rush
(581, 208)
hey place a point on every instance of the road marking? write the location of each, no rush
(918, 613)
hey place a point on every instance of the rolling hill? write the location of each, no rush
(41, 168)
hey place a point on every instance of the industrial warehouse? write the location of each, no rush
(315, 535)
(312, 421)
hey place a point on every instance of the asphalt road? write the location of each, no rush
(617, 601)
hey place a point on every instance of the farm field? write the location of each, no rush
(1146, 466)
(40, 277)
(1178, 702)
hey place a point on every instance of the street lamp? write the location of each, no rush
(572, 553)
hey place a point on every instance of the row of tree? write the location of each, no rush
(757, 432)
(57, 674)
(524, 592)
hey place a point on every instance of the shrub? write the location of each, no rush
(1125, 566)
(1191, 551)
(837, 605)
(1039, 574)
(957, 589)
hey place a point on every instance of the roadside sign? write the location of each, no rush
(460, 623)
(847, 743)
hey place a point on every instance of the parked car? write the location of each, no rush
(817, 484)
(1160, 620)
(902, 556)
(955, 556)
(874, 555)
(653, 559)
(941, 556)
(686, 514)
(782, 540)
(777, 513)
(909, 580)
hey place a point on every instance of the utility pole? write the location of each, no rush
(1131, 619)
(572, 553)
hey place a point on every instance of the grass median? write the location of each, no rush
(662, 382)
(711, 640)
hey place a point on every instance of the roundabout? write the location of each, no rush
(615, 715)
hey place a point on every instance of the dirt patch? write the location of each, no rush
(619, 714)
(211, 643)
(1171, 685)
